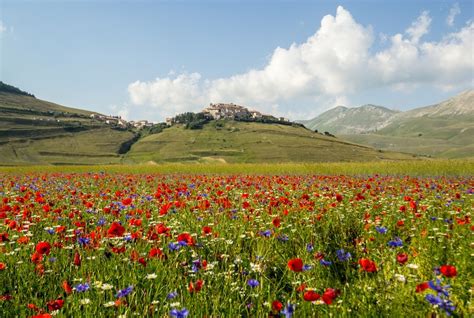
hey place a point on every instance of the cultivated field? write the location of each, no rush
(295, 240)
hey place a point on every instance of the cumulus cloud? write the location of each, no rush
(453, 12)
(178, 94)
(336, 61)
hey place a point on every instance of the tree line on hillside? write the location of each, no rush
(192, 120)
(5, 88)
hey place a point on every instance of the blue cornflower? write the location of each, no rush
(179, 313)
(397, 242)
(173, 246)
(283, 238)
(309, 247)
(51, 231)
(253, 283)
(82, 287)
(342, 255)
(172, 295)
(324, 262)
(101, 221)
(196, 266)
(445, 304)
(182, 243)
(433, 218)
(124, 292)
(52, 259)
(307, 267)
(432, 299)
(266, 233)
(83, 241)
(437, 287)
(288, 310)
(381, 229)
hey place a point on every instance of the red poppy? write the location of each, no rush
(127, 201)
(118, 250)
(311, 295)
(43, 248)
(301, 288)
(195, 287)
(329, 295)
(67, 288)
(422, 287)
(55, 304)
(206, 230)
(277, 305)
(402, 258)
(2, 266)
(155, 252)
(187, 238)
(4, 237)
(367, 265)
(77, 259)
(339, 197)
(448, 270)
(36, 257)
(142, 261)
(276, 222)
(295, 264)
(115, 230)
(42, 316)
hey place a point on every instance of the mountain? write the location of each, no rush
(443, 130)
(456, 107)
(33, 131)
(343, 120)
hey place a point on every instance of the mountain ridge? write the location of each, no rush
(379, 117)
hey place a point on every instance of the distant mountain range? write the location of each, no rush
(33, 131)
(344, 120)
(445, 129)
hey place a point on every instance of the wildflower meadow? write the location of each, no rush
(102, 244)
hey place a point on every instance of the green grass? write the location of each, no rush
(22, 102)
(239, 142)
(413, 168)
(97, 146)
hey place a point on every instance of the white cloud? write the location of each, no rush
(169, 95)
(3, 28)
(335, 62)
(453, 12)
(419, 27)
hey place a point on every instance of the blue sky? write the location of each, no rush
(152, 59)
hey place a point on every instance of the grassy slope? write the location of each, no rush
(438, 137)
(26, 102)
(31, 135)
(239, 142)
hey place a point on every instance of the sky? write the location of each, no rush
(154, 59)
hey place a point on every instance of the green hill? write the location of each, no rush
(232, 141)
(33, 131)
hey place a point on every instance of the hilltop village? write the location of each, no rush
(230, 111)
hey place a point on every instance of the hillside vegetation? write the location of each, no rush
(33, 131)
(234, 142)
